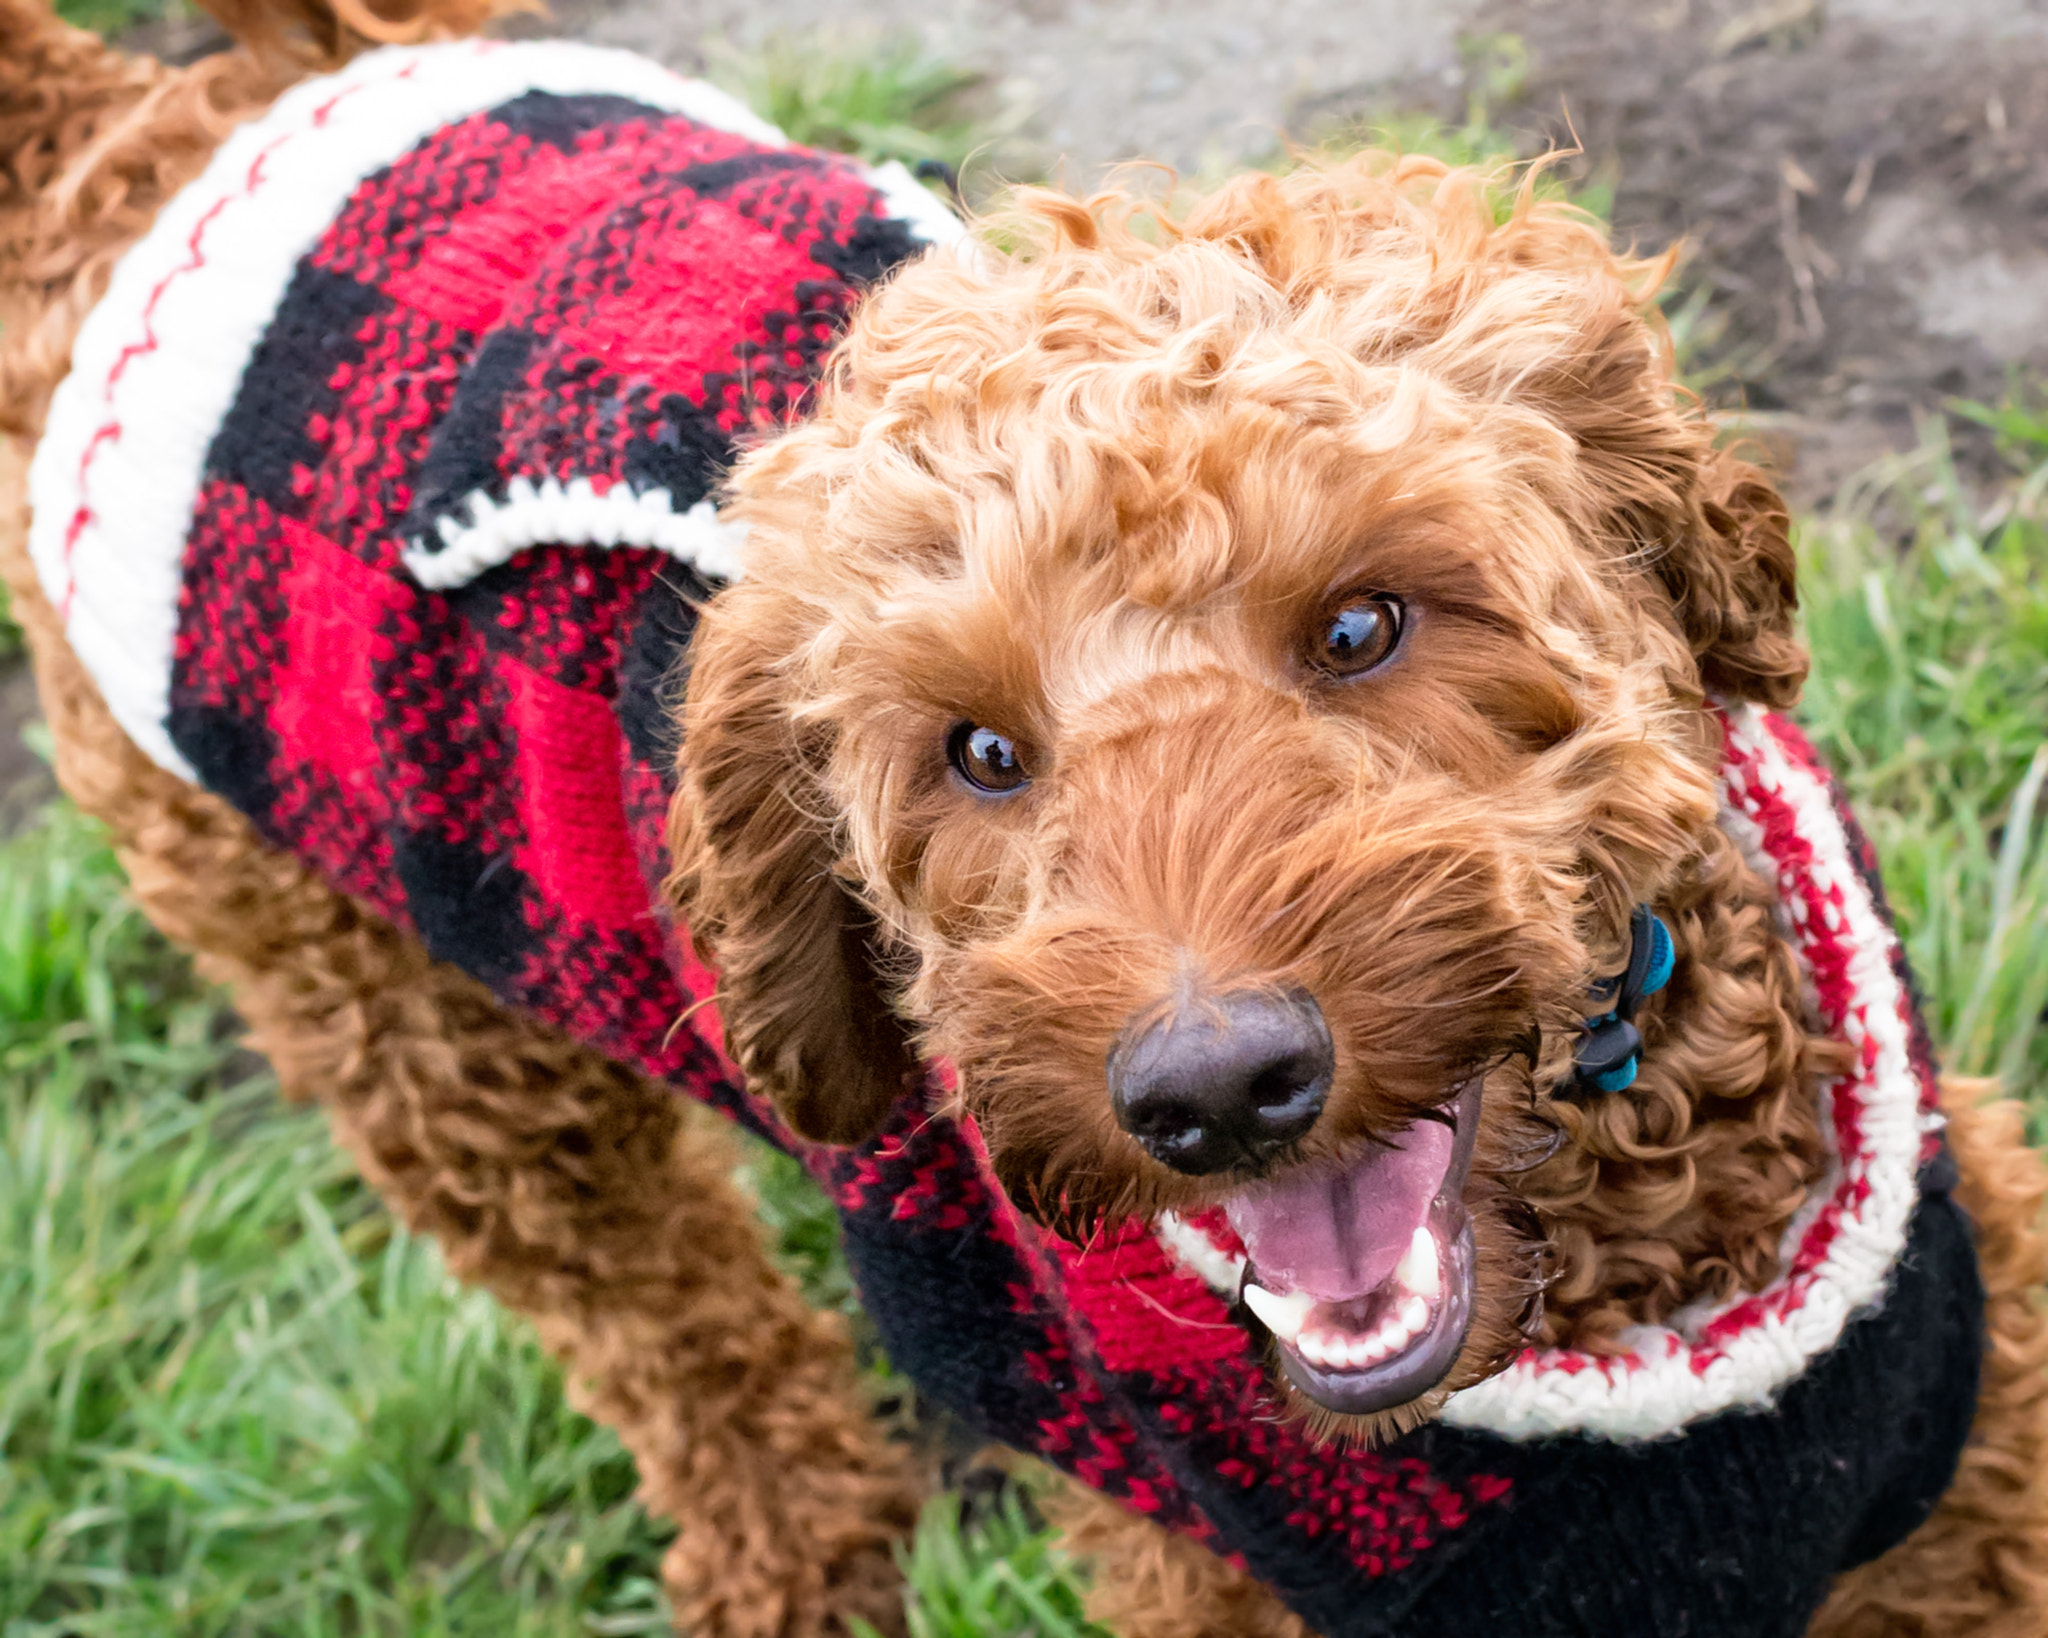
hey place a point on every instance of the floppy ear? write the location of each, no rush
(1733, 585)
(1708, 527)
(806, 1016)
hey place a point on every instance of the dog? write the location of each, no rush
(1230, 768)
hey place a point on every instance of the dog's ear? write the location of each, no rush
(750, 833)
(1709, 527)
(1733, 584)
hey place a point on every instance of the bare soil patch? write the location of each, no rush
(1081, 84)
(1861, 184)
(1863, 192)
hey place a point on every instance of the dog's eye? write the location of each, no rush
(1358, 637)
(986, 759)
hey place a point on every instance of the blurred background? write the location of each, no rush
(235, 1399)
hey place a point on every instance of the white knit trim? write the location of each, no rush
(1838, 1251)
(1679, 1373)
(158, 362)
(910, 201)
(575, 514)
(1222, 1271)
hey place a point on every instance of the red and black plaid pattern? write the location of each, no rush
(584, 288)
(561, 287)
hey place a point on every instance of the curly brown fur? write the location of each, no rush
(94, 140)
(1979, 1566)
(804, 1015)
(1098, 497)
(1149, 1583)
(1680, 1188)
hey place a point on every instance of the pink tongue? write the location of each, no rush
(1337, 1235)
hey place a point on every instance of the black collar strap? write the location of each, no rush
(1607, 1055)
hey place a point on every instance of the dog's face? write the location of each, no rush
(1226, 698)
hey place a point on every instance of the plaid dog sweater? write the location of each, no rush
(376, 501)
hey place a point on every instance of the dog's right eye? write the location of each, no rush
(987, 760)
(1358, 636)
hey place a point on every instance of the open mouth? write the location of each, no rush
(1363, 1274)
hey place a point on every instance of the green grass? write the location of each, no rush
(88, 992)
(1928, 616)
(234, 1399)
(881, 96)
(803, 1225)
(10, 633)
(1000, 1576)
(1496, 68)
(110, 17)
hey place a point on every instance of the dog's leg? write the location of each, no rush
(582, 1195)
(1150, 1583)
(1979, 1567)
(585, 1196)
(604, 1207)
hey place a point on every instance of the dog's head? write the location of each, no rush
(1224, 688)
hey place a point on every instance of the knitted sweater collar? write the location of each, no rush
(1778, 806)
(1123, 1363)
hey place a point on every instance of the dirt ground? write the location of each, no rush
(1197, 84)
(1862, 184)
(1864, 189)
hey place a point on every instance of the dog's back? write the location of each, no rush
(93, 141)
(379, 494)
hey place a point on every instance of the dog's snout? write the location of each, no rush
(1226, 1084)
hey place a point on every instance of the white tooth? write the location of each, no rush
(1320, 1348)
(1418, 1266)
(1283, 1316)
(1414, 1315)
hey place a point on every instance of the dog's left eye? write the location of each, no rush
(987, 760)
(1359, 635)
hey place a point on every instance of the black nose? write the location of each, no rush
(1223, 1083)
